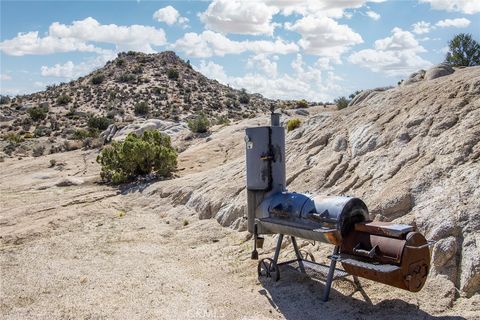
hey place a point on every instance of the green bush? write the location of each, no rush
(97, 79)
(125, 160)
(243, 97)
(37, 113)
(141, 108)
(200, 124)
(100, 123)
(4, 99)
(64, 99)
(127, 77)
(81, 134)
(293, 124)
(302, 103)
(13, 138)
(341, 103)
(172, 74)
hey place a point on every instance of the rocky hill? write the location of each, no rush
(132, 87)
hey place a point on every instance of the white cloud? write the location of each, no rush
(323, 36)
(5, 77)
(394, 55)
(243, 17)
(78, 35)
(465, 6)
(30, 43)
(263, 63)
(421, 27)
(308, 82)
(70, 70)
(134, 37)
(209, 43)
(372, 14)
(457, 23)
(169, 15)
(326, 8)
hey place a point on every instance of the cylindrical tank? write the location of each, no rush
(325, 219)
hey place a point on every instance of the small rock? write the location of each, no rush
(443, 251)
(340, 144)
(69, 181)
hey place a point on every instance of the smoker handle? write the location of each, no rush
(364, 253)
(428, 244)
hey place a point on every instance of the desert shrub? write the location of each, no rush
(37, 113)
(199, 124)
(80, 134)
(100, 123)
(223, 120)
(341, 103)
(120, 62)
(4, 99)
(13, 137)
(302, 103)
(172, 74)
(353, 95)
(243, 97)
(123, 161)
(293, 124)
(38, 151)
(64, 99)
(127, 77)
(42, 131)
(97, 79)
(141, 108)
(137, 70)
(463, 51)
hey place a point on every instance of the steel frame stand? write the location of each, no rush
(305, 263)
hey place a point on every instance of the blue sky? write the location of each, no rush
(291, 49)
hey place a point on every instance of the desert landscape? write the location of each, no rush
(231, 159)
(75, 247)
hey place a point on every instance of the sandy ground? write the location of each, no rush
(89, 251)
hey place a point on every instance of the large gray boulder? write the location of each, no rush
(439, 70)
(414, 77)
(168, 127)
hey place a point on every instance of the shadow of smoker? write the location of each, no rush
(299, 297)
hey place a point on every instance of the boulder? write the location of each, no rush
(168, 127)
(109, 133)
(439, 70)
(414, 77)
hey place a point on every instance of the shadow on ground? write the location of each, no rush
(298, 297)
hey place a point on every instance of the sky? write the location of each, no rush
(284, 49)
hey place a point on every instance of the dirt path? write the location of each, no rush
(88, 251)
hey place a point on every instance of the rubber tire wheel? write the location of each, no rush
(267, 268)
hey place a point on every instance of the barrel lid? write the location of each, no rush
(388, 229)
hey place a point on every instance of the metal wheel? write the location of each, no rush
(267, 268)
(307, 255)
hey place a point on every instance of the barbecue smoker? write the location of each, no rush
(393, 254)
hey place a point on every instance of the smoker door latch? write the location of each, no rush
(365, 253)
(266, 157)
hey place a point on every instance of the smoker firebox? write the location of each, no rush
(393, 254)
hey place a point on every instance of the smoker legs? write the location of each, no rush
(277, 249)
(331, 272)
(297, 253)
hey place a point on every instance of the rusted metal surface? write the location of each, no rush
(400, 262)
(387, 229)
